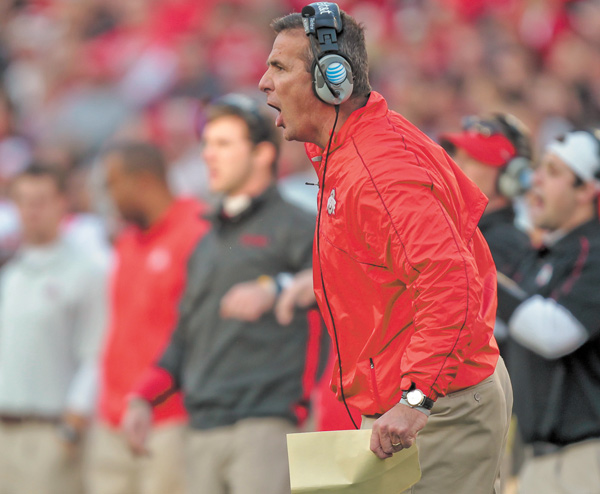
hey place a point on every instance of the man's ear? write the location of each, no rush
(588, 191)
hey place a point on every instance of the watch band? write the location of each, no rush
(427, 402)
(421, 409)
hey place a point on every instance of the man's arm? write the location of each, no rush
(161, 380)
(558, 325)
(248, 301)
(427, 253)
(90, 324)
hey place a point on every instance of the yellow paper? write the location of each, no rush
(340, 462)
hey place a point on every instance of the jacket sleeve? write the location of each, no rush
(172, 358)
(89, 326)
(554, 326)
(425, 250)
(300, 241)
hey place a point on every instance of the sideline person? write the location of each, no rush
(240, 371)
(403, 276)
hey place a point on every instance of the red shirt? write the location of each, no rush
(147, 282)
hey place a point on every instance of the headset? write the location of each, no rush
(515, 176)
(331, 71)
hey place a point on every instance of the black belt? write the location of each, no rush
(27, 419)
(543, 449)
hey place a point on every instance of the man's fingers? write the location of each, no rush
(397, 443)
(284, 310)
(377, 447)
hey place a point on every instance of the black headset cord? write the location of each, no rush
(337, 345)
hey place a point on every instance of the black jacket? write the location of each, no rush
(558, 400)
(507, 243)
(230, 369)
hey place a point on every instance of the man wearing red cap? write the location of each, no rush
(495, 153)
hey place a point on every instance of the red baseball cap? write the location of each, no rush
(494, 150)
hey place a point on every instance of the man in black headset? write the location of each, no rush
(495, 152)
(553, 316)
(403, 277)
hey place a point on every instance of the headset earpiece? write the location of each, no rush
(515, 178)
(338, 73)
(331, 72)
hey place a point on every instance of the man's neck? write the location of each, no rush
(579, 218)
(40, 241)
(496, 203)
(345, 110)
(157, 207)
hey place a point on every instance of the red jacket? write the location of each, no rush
(408, 277)
(147, 282)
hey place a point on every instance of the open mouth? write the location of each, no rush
(536, 201)
(279, 119)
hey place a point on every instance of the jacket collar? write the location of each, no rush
(375, 108)
(563, 241)
(218, 217)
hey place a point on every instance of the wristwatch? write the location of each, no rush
(415, 398)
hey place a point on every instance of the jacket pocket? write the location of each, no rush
(374, 387)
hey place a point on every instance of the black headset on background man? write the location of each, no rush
(331, 70)
(515, 177)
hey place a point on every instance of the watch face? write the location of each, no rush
(415, 397)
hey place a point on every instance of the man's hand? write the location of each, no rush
(300, 293)
(248, 301)
(72, 429)
(396, 429)
(136, 425)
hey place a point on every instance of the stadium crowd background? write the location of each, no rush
(74, 74)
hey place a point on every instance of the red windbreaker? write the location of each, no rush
(409, 282)
(147, 282)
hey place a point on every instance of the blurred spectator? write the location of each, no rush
(79, 71)
(52, 314)
(147, 281)
(15, 154)
(495, 152)
(240, 371)
(553, 317)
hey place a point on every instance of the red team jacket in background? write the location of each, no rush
(147, 282)
(408, 276)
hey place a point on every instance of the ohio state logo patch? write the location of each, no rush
(331, 202)
(544, 275)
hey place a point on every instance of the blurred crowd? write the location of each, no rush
(76, 75)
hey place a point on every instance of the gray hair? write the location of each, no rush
(351, 43)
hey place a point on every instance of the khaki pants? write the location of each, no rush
(574, 469)
(34, 459)
(462, 445)
(249, 457)
(113, 469)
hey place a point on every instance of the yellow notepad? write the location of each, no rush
(340, 462)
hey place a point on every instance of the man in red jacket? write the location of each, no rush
(147, 282)
(404, 279)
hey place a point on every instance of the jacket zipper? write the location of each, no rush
(374, 383)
